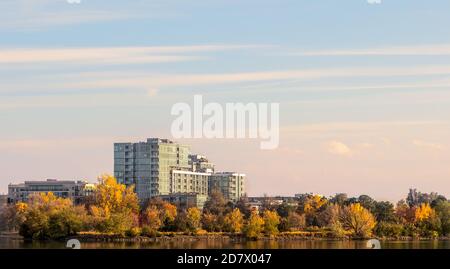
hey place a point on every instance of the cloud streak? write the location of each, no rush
(427, 145)
(110, 55)
(427, 50)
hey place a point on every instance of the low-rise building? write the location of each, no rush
(230, 184)
(75, 190)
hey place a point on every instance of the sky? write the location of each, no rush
(363, 88)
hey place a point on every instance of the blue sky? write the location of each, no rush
(363, 88)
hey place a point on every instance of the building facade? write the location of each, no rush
(185, 200)
(75, 190)
(230, 184)
(184, 181)
(148, 165)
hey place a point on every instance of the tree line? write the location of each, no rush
(114, 209)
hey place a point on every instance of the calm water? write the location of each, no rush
(9, 243)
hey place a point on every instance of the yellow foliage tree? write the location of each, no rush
(169, 212)
(358, 220)
(271, 222)
(234, 221)
(313, 203)
(423, 212)
(255, 226)
(115, 208)
(194, 216)
(112, 196)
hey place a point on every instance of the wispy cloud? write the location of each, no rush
(339, 148)
(354, 127)
(427, 145)
(26, 15)
(114, 79)
(425, 50)
(110, 55)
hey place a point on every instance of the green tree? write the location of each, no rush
(442, 209)
(388, 229)
(384, 211)
(367, 202)
(340, 199)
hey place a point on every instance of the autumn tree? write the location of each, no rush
(12, 216)
(209, 222)
(404, 213)
(423, 212)
(234, 221)
(358, 220)
(310, 206)
(168, 215)
(194, 217)
(427, 221)
(115, 208)
(255, 226)
(295, 221)
(271, 222)
(46, 216)
(330, 218)
(150, 221)
(216, 204)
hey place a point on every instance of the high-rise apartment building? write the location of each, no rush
(148, 165)
(166, 169)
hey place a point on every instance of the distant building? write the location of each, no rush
(274, 200)
(75, 190)
(230, 184)
(148, 165)
(185, 200)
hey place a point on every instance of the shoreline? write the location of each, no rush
(173, 237)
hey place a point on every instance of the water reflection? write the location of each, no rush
(7, 243)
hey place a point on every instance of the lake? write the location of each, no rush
(11, 243)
